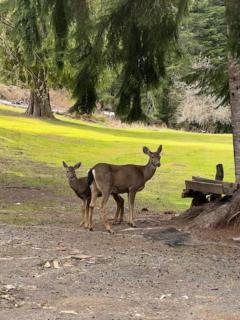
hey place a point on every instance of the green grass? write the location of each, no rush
(50, 142)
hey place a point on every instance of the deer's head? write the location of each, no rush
(70, 171)
(154, 157)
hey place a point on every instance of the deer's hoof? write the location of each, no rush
(117, 222)
(91, 229)
(110, 231)
(132, 225)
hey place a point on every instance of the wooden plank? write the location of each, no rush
(201, 179)
(229, 190)
(204, 187)
(225, 184)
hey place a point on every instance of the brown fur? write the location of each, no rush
(130, 179)
(81, 188)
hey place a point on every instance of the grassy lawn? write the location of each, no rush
(29, 146)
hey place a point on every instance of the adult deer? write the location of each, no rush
(130, 179)
(81, 188)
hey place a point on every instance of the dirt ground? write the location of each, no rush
(51, 269)
(160, 270)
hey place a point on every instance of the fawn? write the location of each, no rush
(81, 188)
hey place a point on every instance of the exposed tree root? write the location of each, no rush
(221, 213)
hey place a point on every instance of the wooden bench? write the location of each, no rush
(199, 188)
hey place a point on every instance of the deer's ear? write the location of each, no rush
(65, 165)
(159, 150)
(146, 150)
(77, 165)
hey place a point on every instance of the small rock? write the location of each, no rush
(74, 252)
(236, 239)
(164, 296)
(47, 265)
(6, 297)
(56, 264)
(67, 264)
(144, 210)
(9, 287)
(68, 312)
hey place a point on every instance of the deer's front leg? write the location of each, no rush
(131, 199)
(83, 213)
(86, 216)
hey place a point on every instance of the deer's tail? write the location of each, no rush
(90, 177)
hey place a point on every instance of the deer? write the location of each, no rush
(130, 178)
(81, 188)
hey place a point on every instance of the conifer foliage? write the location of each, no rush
(139, 34)
(24, 47)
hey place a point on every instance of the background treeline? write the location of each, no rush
(146, 62)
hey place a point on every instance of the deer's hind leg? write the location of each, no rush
(94, 195)
(105, 196)
(120, 208)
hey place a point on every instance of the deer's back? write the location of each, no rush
(122, 178)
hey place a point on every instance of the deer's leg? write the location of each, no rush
(121, 200)
(115, 221)
(131, 199)
(83, 213)
(94, 194)
(120, 208)
(86, 210)
(105, 197)
(116, 198)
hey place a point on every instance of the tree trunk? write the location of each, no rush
(39, 101)
(234, 86)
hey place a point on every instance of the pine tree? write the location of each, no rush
(204, 38)
(24, 46)
(218, 73)
(139, 36)
(167, 100)
(36, 42)
(130, 36)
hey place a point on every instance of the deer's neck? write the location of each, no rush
(73, 182)
(148, 171)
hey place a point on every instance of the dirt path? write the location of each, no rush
(154, 272)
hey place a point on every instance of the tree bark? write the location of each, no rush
(39, 101)
(234, 86)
